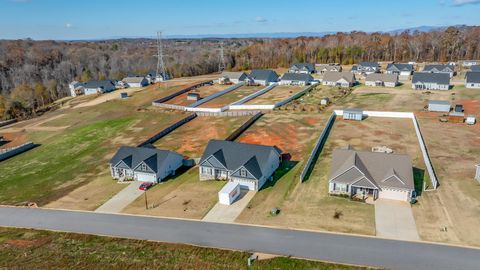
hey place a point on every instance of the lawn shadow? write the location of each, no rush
(180, 171)
(285, 166)
(418, 180)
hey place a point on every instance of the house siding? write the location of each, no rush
(430, 86)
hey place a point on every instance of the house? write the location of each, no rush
(469, 63)
(360, 174)
(379, 79)
(475, 68)
(144, 164)
(234, 77)
(403, 70)
(470, 120)
(438, 106)
(438, 68)
(322, 68)
(430, 81)
(341, 79)
(135, 81)
(264, 76)
(296, 79)
(98, 87)
(76, 88)
(249, 165)
(353, 114)
(305, 68)
(366, 68)
(152, 77)
(472, 79)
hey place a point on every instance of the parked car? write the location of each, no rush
(145, 185)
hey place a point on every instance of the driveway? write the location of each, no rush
(394, 219)
(228, 213)
(122, 199)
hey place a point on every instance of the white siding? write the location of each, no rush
(392, 194)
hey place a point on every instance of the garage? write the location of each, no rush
(245, 184)
(394, 194)
(145, 177)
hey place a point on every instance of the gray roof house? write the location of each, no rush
(98, 87)
(361, 174)
(306, 68)
(440, 68)
(264, 76)
(296, 79)
(341, 79)
(135, 81)
(475, 68)
(472, 79)
(366, 68)
(381, 79)
(430, 81)
(144, 164)
(234, 77)
(249, 165)
(322, 68)
(400, 69)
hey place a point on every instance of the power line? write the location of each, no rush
(161, 70)
(221, 65)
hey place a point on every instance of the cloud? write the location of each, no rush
(459, 3)
(261, 19)
(68, 25)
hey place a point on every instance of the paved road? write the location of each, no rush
(312, 245)
(394, 220)
(122, 199)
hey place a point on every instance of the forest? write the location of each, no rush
(33, 74)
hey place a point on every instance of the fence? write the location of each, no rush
(7, 122)
(421, 142)
(178, 93)
(297, 95)
(13, 151)
(213, 96)
(316, 149)
(169, 106)
(227, 113)
(167, 130)
(242, 128)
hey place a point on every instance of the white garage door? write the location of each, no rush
(145, 177)
(393, 194)
(245, 184)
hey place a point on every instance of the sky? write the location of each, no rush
(100, 19)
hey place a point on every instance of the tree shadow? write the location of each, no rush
(418, 180)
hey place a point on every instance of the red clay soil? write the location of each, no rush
(24, 243)
(14, 138)
(471, 106)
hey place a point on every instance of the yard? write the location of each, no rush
(192, 138)
(183, 196)
(277, 94)
(231, 97)
(204, 92)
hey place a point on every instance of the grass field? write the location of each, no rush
(277, 94)
(30, 249)
(231, 97)
(192, 138)
(183, 196)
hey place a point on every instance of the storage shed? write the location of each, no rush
(470, 120)
(324, 101)
(458, 108)
(123, 95)
(353, 114)
(229, 193)
(439, 106)
(456, 117)
(193, 96)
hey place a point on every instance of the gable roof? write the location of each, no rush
(369, 64)
(475, 68)
(333, 76)
(134, 156)
(308, 66)
(133, 79)
(439, 67)
(472, 77)
(380, 169)
(264, 75)
(100, 84)
(233, 75)
(297, 77)
(439, 102)
(400, 67)
(234, 155)
(384, 77)
(426, 77)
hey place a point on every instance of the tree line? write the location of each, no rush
(35, 73)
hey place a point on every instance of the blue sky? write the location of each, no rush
(88, 19)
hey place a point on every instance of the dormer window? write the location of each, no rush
(243, 173)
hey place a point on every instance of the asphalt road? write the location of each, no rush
(311, 245)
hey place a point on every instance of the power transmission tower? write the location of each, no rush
(161, 70)
(221, 65)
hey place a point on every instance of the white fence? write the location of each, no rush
(213, 96)
(421, 142)
(251, 107)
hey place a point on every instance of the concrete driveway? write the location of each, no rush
(394, 219)
(228, 213)
(122, 199)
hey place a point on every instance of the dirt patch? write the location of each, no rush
(231, 97)
(21, 243)
(277, 94)
(471, 106)
(13, 139)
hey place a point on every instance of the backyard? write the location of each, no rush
(277, 94)
(204, 92)
(231, 97)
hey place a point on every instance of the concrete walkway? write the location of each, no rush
(228, 213)
(122, 199)
(394, 219)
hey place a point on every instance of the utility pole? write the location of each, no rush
(161, 70)
(146, 202)
(221, 65)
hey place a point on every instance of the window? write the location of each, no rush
(143, 167)
(341, 187)
(243, 173)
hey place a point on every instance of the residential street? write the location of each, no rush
(311, 245)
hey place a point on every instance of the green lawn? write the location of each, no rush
(31, 249)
